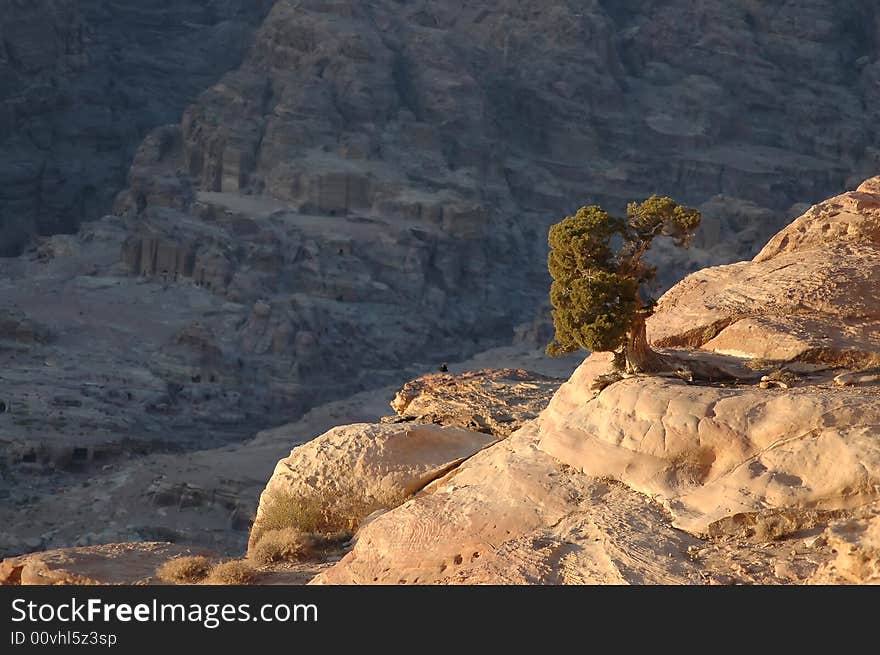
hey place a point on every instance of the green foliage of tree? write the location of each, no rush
(596, 262)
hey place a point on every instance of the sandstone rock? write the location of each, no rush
(199, 338)
(810, 294)
(17, 326)
(59, 245)
(365, 465)
(851, 218)
(157, 257)
(154, 177)
(111, 564)
(513, 515)
(494, 401)
(724, 216)
(856, 545)
(708, 452)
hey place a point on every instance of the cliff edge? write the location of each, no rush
(768, 476)
(657, 480)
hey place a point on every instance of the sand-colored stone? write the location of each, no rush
(812, 293)
(852, 217)
(495, 401)
(708, 452)
(380, 464)
(513, 515)
(855, 543)
(110, 564)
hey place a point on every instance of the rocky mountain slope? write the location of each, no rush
(284, 203)
(207, 497)
(490, 123)
(81, 84)
(509, 110)
(655, 480)
(353, 188)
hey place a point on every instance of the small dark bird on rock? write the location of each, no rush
(444, 368)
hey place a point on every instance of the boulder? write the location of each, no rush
(514, 515)
(856, 545)
(364, 466)
(811, 293)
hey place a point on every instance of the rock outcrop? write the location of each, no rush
(110, 564)
(354, 470)
(713, 471)
(855, 544)
(808, 298)
(707, 453)
(514, 515)
(497, 402)
(811, 294)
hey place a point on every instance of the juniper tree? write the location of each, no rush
(599, 274)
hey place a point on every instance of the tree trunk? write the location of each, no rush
(640, 358)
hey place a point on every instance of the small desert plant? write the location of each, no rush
(285, 545)
(321, 514)
(281, 511)
(233, 572)
(187, 569)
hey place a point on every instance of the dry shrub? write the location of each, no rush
(233, 572)
(282, 510)
(291, 545)
(321, 514)
(285, 545)
(188, 569)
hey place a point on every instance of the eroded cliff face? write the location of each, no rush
(314, 198)
(504, 117)
(511, 108)
(81, 83)
(373, 184)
